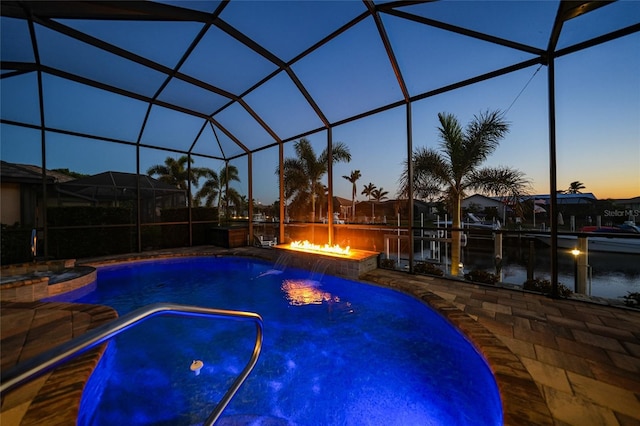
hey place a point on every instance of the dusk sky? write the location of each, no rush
(597, 91)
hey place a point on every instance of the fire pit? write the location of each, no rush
(306, 246)
(345, 262)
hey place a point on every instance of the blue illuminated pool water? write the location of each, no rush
(336, 352)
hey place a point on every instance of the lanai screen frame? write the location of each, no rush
(45, 13)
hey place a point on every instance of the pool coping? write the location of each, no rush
(522, 401)
(29, 285)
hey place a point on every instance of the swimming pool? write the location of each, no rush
(335, 352)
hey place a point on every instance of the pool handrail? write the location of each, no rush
(50, 359)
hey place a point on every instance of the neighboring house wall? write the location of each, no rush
(10, 203)
(484, 202)
(18, 204)
(26, 179)
(629, 203)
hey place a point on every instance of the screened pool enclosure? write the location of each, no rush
(222, 93)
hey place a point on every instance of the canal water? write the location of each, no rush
(613, 275)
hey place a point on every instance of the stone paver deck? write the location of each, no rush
(28, 329)
(560, 362)
(584, 358)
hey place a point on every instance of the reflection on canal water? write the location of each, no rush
(613, 275)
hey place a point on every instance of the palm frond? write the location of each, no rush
(500, 181)
(482, 137)
(339, 151)
(431, 174)
(451, 136)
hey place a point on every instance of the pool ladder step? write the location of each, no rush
(25, 371)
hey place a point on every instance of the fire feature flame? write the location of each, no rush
(316, 248)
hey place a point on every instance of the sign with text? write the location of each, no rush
(621, 213)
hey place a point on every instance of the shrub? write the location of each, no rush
(481, 276)
(388, 263)
(632, 300)
(79, 232)
(181, 214)
(15, 244)
(89, 215)
(544, 286)
(427, 268)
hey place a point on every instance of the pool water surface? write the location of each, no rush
(335, 352)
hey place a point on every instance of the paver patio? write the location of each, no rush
(583, 358)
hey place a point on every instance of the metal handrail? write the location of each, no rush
(48, 360)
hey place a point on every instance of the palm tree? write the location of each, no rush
(302, 174)
(227, 195)
(231, 197)
(242, 208)
(215, 188)
(367, 190)
(575, 187)
(210, 188)
(378, 195)
(456, 168)
(353, 177)
(175, 173)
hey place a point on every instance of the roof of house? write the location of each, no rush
(634, 200)
(28, 173)
(492, 200)
(120, 185)
(580, 198)
(341, 201)
(588, 195)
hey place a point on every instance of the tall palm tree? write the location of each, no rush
(215, 189)
(366, 191)
(456, 168)
(575, 187)
(174, 172)
(302, 174)
(353, 177)
(226, 194)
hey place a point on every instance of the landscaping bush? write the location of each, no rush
(175, 235)
(204, 214)
(87, 215)
(388, 263)
(89, 242)
(427, 268)
(481, 276)
(87, 231)
(632, 300)
(80, 235)
(181, 214)
(544, 286)
(16, 244)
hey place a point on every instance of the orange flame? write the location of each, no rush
(316, 248)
